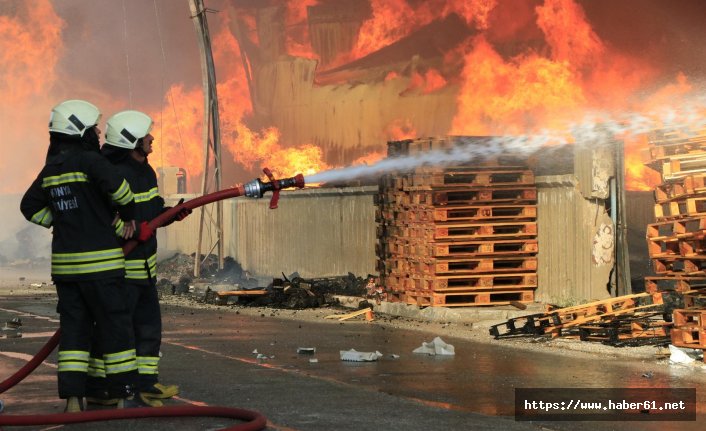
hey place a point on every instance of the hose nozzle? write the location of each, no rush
(257, 188)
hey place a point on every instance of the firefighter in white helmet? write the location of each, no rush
(127, 145)
(72, 195)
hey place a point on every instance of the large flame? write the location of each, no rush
(30, 48)
(530, 66)
(538, 87)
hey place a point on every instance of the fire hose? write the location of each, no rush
(256, 421)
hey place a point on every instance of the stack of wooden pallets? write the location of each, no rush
(457, 235)
(677, 241)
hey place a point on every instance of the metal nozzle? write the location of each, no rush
(257, 188)
(254, 189)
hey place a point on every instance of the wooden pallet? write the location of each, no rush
(563, 319)
(423, 214)
(464, 196)
(555, 321)
(518, 326)
(461, 249)
(450, 283)
(461, 231)
(469, 298)
(671, 148)
(686, 186)
(685, 207)
(692, 228)
(674, 247)
(427, 214)
(623, 329)
(678, 266)
(675, 284)
(689, 337)
(470, 177)
(683, 165)
(689, 317)
(695, 299)
(463, 266)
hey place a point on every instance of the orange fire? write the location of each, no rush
(30, 48)
(523, 92)
(529, 66)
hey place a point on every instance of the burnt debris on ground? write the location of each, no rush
(232, 285)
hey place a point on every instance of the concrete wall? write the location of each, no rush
(567, 225)
(315, 232)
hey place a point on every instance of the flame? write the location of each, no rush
(530, 66)
(177, 132)
(30, 49)
(298, 42)
(369, 159)
(637, 176)
(400, 129)
(390, 22)
(428, 82)
(513, 97)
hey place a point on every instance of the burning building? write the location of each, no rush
(308, 86)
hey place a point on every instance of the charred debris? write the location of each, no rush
(233, 285)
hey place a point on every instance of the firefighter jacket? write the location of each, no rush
(140, 264)
(73, 194)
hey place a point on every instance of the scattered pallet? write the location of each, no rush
(618, 331)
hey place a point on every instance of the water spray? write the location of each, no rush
(595, 130)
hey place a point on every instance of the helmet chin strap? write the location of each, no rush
(140, 150)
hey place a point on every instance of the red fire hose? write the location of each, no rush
(256, 421)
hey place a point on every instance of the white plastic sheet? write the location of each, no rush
(436, 347)
(355, 356)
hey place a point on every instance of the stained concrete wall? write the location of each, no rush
(315, 232)
(570, 265)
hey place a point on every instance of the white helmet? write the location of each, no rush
(125, 128)
(73, 117)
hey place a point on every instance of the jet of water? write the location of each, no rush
(595, 130)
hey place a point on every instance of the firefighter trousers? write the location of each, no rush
(95, 310)
(143, 304)
(147, 321)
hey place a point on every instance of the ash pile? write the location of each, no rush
(234, 286)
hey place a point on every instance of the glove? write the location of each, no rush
(182, 214)
(145, 232)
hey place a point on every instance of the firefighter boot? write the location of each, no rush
(73, 405)
(160, 391)
(137, 400)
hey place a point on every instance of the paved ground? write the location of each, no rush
(209, 352)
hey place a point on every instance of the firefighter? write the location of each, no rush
(72, 194)
(127, 145)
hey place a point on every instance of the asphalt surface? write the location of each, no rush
(213, 355)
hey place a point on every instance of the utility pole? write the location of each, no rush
(211, 138)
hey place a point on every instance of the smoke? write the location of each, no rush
(596, 129)
(21, 243)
